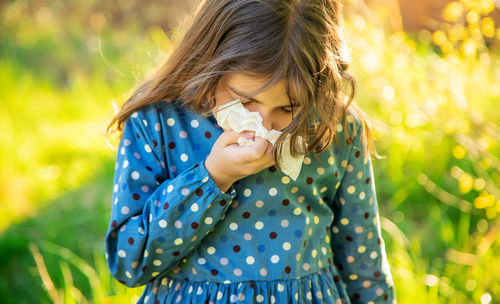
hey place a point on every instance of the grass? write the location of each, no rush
(432, 108)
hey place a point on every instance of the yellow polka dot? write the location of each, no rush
(366, 284)
(362, 195)
(350, 259)
(353, 276)
(154, 274)
(297, 257)
(349, 168)
(344, 221)
(327, 239)
(315, 191)
(361, 249)
(285, 179)
(331, 160)
(301, 199)
(178, 241)
(344, 163)
(307, 160)
(316, 219)
(371, 200)
(337, 185)
(360, 174)
(314, 253)
(320, 264)
(323, 189)
(358, 229)
(369, 235)
(294, 189)
(157, 262)
(320, 170)
(310, 232)
(351, 189)
(297, 211)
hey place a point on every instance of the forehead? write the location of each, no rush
(253, 85)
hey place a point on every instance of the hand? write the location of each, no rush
(228, 162)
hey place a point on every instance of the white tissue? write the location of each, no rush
(234, 116)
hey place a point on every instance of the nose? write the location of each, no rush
(266, 120)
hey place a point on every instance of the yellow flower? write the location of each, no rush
(459, 152)
(465, 182)
(488, 27)
(453, 11)
(483, 201)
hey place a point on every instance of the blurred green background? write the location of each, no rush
(427, 73)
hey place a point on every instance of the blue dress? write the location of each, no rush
(268, 239)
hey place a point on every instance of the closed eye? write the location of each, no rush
(281, 108)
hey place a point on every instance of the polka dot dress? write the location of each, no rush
(268, 239)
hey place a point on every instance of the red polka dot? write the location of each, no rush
(367, 215)
(199, 192)
(356, 296)
(286, 202)
(272, 168)
(236, 248)
(376, 274)
(144, 268)
(336, 173)
(171, 145)
(155, 143)
(252, 284)
(149, 168)
(336, 278)
(246, 214)
(214, 272)
(194, 225)
(348, 140)
(137, 135)
(288, 269)
(309, 180)
(357, 154)
(131, 241)
(348, 238)
(136, 196)
(113, 224)
(223, 202)
(273, 235)
(197, 165)
(165, 206)
(386, 297)
(367, 181)
(176, 253)
(308, 208)
(208, 134)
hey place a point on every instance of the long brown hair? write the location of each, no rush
(301, 41)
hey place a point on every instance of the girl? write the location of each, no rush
(199, 219)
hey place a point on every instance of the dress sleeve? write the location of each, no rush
(359, 250)
(156, 220)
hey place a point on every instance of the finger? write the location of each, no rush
(230, 137)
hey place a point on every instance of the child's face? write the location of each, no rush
(272, 103)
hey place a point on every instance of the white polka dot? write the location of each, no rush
(202, 261)
(211, 250)
(284, 223)
(208, 220)
(307, 160)
(170, 188)
(275, 258)
(170, 122)
(194, 207)
(125, 210)
(259, 225)
(309, 295)
(178, 224)
(224, 261)
(183, 134)
(247, 192)
(237, 272)
(135, 175)
(137, 155)
(306, 266)
(233, 298)
(184, 157)
(263, 272)
(281, 287)
(250, 260)
(163, 223)
(194, 123)
(185, 191)
(260, 298)
(259, 204)
(147, 148)
(219, 295)
(287, 245)
(233, 226)
(273, 191)
(157, 126)
(127, 142)
(125, 163)
(247, 236)
(122, 253)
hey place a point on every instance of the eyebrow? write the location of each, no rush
(241, 94)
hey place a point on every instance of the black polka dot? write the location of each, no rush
(136, 196)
